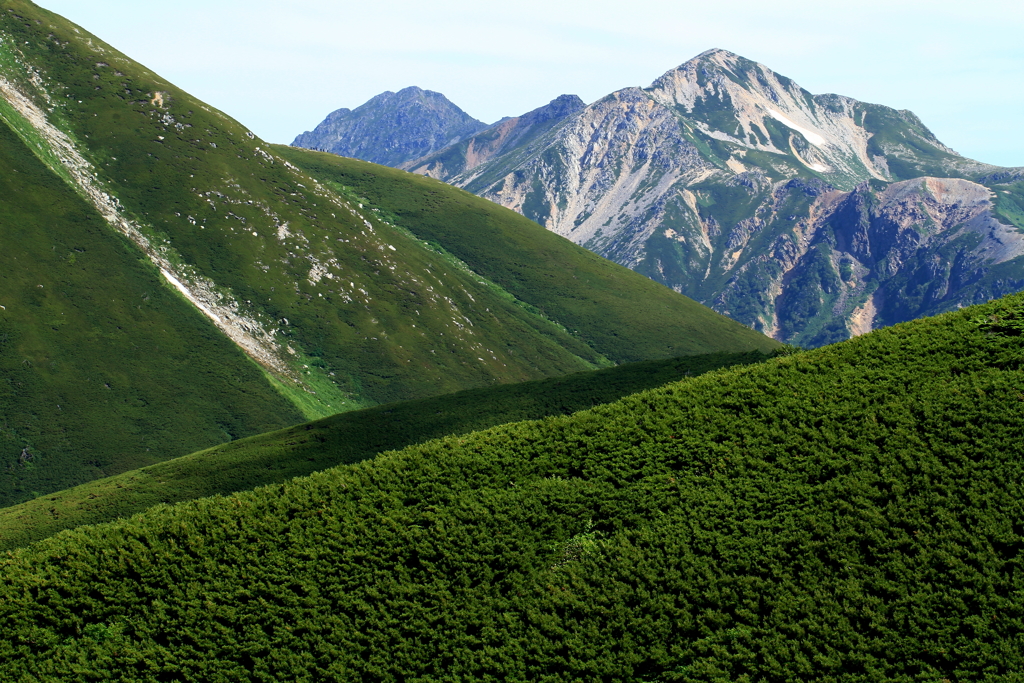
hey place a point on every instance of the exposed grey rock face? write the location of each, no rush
(504, 137)
(816, 265)
(809, 217)
(392, 128)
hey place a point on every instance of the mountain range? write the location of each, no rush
(493, 487)
(811, 218)
(171, 281)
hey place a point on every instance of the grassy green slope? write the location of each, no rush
(1008, 196)
(910, 149)
(103, 367)
(623, 315)
(357, 310)
(344, 438)
(850, 513)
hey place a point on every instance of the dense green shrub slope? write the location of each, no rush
(852, 513)
(103, 368)
(343, 438)
(624, 317)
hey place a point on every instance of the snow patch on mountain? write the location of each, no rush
(812, 137)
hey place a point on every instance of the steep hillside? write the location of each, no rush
(624, 317)
(392, 128)
(103, 368)
(851, 513)
(731, 184)
(345, 438)
(340, 307)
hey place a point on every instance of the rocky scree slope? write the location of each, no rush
(392, 128)
(508, 136)
(730, 183)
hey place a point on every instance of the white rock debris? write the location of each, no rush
(247, 332)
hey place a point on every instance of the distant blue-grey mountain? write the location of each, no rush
(393, 127)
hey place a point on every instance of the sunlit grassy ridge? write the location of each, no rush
(103, 368)
(342, 306)
(345, 438)
(851, 513)
(625, 318)
(369, 314)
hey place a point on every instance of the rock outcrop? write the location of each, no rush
(506, 136)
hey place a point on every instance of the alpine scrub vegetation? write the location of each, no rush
(349, 437)
(850, 513)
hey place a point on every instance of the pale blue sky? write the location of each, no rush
(281, 67)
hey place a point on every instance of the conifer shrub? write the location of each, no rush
(850, 513)
(345, 438)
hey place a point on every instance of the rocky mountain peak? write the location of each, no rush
(707, 75)
(809, 217)
(392, 127)
(557, 109)
(716, 57)
(412, 96)
(733, 96)
(728, 98)
(563, 105)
